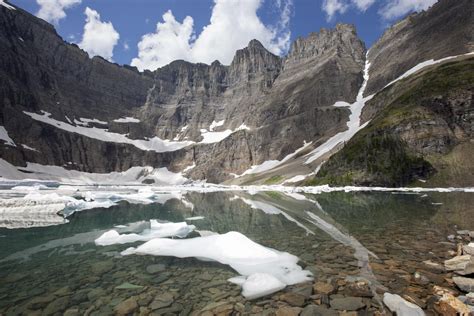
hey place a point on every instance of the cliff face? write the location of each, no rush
(443, 30)
(223, 119)
(281, 101)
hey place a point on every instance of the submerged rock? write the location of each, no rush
(347, 303)
(155, 268)
(396, 304)
(126, 307)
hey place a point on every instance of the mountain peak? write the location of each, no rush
(255, 44)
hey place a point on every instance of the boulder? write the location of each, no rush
(396, 304)
(448, 305)
(465, 284)
(126, 307)
(459, 263)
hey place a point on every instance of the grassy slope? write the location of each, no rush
(378, 156)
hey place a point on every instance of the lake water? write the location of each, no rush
(357, 245)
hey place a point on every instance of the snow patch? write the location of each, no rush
(353, 125)
(127, 120)
(156, 230)
(425, 64)
(215, 124)
(29, 148)
(210, 137)
(4, 136)
(6, 5)
(151, 144)
(271, 164)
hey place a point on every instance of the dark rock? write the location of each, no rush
(347, 303)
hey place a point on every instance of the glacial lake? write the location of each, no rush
(379, 238)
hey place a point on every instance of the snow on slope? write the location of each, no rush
(6, 5)
(271, 164)
(127, 120)
(4, 136)
(134, 175)
(153, 144)
(210, 137)
(353, 125)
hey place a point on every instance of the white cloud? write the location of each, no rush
(232, 25)
(363, 5)
(99, 37)
(391, 9)
(396, 8)
(126, 46)
(53, 10)
(333, 7)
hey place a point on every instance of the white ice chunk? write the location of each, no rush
(195, 218)
(258, 284)
(236, 250)
(156, 230)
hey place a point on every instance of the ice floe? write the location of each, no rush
(261, 266)
(156, 230)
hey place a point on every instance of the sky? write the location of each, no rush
(149, 34)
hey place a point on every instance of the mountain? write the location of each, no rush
(61, 108)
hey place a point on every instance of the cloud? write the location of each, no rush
(232, 25)
(99, 38)
(126, 46)
(53, 10)
(390, 9)
(396, 8)
(333, 7)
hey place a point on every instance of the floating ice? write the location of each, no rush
(195, 218)
(156, 230)
(258, 284)
(236, 250)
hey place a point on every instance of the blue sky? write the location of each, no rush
(115, 27)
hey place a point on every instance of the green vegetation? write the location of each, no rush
(273, 180)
